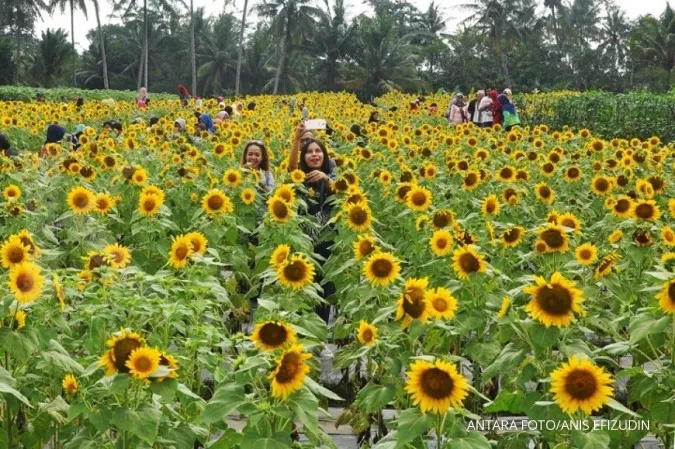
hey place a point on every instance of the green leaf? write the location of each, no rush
(507, 402)
(166, 389)
(143, 423)
(507, 360)
(57, 409)
(412, 423)
(4, 388)
(590, 440)
(226, 399)
(305, 406)
(619, 407)
(483, 352)
(643, 325)
(474, 440)
(320, 390)
(375, 397)
(281, 440)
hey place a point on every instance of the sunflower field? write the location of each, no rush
(151, 294)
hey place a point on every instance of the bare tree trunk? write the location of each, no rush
(277, 75)
(101, 37)
(72, 39)
(141, 63)
(145, 43)
(241, 49)
(193, 50)
(18, 50)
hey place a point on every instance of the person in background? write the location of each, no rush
(509, 113)
(221, 117)
(6, 147)
(496, 107)
(75, 137)
(79, 102)
(255, 157)
(40, 97)
(142, 99)
(179, 125)
(55, 134)
(458, 113)
(113, 126)
(374, 117)
(304, 109)
(433, 109)
(315, 163)
(183, 94)
(251, 106)
(205, 124)
(508, 94)
(473, 110)
(485, 110)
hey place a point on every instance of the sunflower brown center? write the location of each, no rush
(295, 271)
(622, 205)
(671, 292)
(181, 252)
(290, 365)
(602, 184)
(96, 261)
(440, 304)
(280, 210)
(441, 243)
(149, 204)
(580, 384)
(585, 254)
(273, 334)
(121, 352)
(419, 198)
(382, 268)
(554, 299)
(573, 172)
(644, 211)
(490, 207)
(403, 191)
(367, 335)
(25, 282)
(436, 383)
(512, 235)
(81, 200)
(365, 247)
(413, 306)
(544, 191)
(469, 263)
(553, 238)
(441, 219)
(215, 202)
(15, 254)
(358, 216)
(506, 173)
(143, 364)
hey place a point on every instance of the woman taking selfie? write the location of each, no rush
(255, 158)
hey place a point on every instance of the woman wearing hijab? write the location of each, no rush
(496, 107)
(142, 99)
(458, 110)
(75, 139)
(221, 117)
(55, 134)
(509, 113)
(206, 123)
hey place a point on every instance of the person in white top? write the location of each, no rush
(476, 115)
(485, 108)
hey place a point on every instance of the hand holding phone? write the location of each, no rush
(318, 123)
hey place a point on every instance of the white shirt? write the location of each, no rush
(486, 115)
(476, 112)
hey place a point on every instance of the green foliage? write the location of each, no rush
(14, 93)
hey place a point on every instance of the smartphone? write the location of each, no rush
(318, 123)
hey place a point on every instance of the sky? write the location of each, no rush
(450, 9)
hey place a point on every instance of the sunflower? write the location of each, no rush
(506, 173)
(513, 236)
(290, 372)
(586, 254)
(554, 303)
(143, 362)
(412, 304)
(601, 185)
(490, 205)
(25, 282)
(402, 191)
(555, 238)
(471, 180)
(81, 200)
(381, 269)
(615, 237)
(170, 363)
(121, 346)
(198, 242)
(441, 242)
(581, 385)
(298, 176)
(569, 220)
(69, 384)
(103, 203)
(467, 260)
(279, 209)
(643, 239)
(296, 273)
(140, 176)
(418, 198)
(232, 177)
(149, 205)
(667, 297)
(605, 266)
(623, 207)
(367, 333)
(504, 308)
(273, 335)
(671, 207)
(358, 216)
(11, 193)
(60, 294)
(364, 246)
(216, 202)
(646, 210)
(286, 193)
(441, 303)
(14, 252)
(436, 386)
(280, 255)
(544, 193)
(27, 239)
(572, 174)
(181, 250)
(117, 256)
(668, 236)
(247, 196)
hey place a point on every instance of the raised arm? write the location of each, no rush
(295, 149)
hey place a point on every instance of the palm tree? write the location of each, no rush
(656, 38)
(431, 24)
(101, 37)
(22, 14)
(614, 36)
(386, 61)
(51, 53)
(555, 6)
(240, 51)
(218, 54)
(291, 19)
(72, 4)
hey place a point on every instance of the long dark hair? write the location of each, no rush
(265, 162)
(325, 166)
